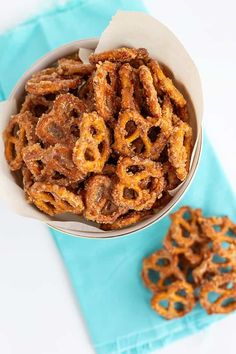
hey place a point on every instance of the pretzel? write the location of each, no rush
(67, 66)
(150, 91)
(53, 199)
(165, 84)
(180, 148)
(183, 237)
(162, 200)
(92, 149)
(219, 229)
(121, 55)
(53, 164)
(86, 93)
(37, 105)
(125, 220)
(159, 272)
(100, 206)
(217, 261)
(170, 176)
(27, 178)
(225, 287)
(60, 125)
(105, 85)
(135, 135)
(19, 133)
(49, 81)
(141, 181)
(179, 297)
(128, 82)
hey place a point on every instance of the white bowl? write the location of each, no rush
(17, 93)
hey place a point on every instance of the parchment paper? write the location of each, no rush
(132, 29)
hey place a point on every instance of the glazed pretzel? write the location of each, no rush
(53, 164)
(19, 133)
(160, 263)
(219, 229)
(135, 135)
(225, 287)
(130, 218)
(121, 55)
(150, 91)
(100, 206)
(128, 80)
(165, 84)
(180, 148)
(37, 105)
(92, 149)
(141, 181)
(67, 66)
(105, 86)
(184, 238)
(53, 199)
(49, 81)
(60, 125)
(178, 293)
(218, 260)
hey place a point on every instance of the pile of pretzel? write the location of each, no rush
(106, 140)
(198, 262)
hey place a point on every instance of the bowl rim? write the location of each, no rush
(48, 59)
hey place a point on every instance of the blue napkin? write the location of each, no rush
(106, 273)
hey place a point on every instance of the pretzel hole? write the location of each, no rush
(219, 259)
(50, 96)
(181, 292)
(187, 215)
(15, 130)
(39, 110)
(138, 146)
(101, 147)
(108, 78)
(130, 128)
(74, 130)
(231, 233)
(129, 193)
(164, 303)
(179, 306)
(50, 206)
(153, 133)
(164, 156)
(163, 262)
(40, 165)
(227, 285)
(89, 155)
(217, 228)
(134, 169)
(185, 232)
(213, 296)
(13, 152)
(25, 140)
(93, 130)
(227, 269)
(169, 280)
(228, 302)
(109, 208)
(153, 276)
(74, 113)
(57, 176)
(55, 130)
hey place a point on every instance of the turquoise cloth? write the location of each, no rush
(106, 273)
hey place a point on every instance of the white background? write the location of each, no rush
(38, 311)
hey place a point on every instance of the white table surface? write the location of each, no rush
(38, 310)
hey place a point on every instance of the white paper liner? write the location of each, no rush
(132, 29)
